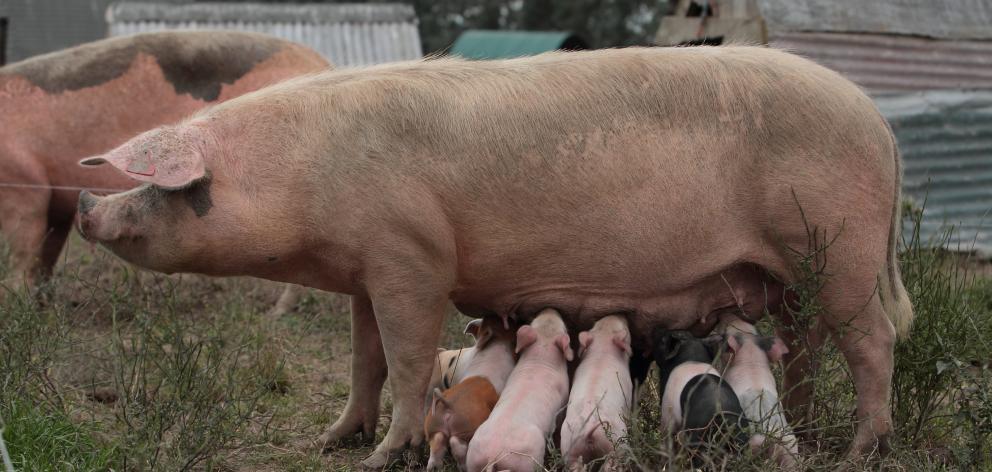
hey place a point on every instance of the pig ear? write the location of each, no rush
(564, 343)
(438, 398)
(777, 350)
(585, 339)
(733, 343)
(166, 157)
(525, 337)
(473, 327)
(485, 335)
(622, 341)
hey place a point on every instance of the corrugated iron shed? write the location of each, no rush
(942, 19)
(886, 63)
(346, 34)
(486, 44)
(945, 138)
(884, 46)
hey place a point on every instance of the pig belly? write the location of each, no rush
(744, 289)
(671, 405)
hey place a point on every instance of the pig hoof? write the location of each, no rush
(379, 460)
(339, 436)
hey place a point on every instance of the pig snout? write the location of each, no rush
(87, 222)
(86, 202)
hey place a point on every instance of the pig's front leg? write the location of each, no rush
(368, 372)
(410, 312)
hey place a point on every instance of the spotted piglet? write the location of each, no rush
(601, 393)
(695, 399)
(515, 435)
(456, 413)
(749, 372)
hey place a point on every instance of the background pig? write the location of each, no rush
(601, 393)
(515, 435)
(749, 373)
(588, 181)
(455, 415)
(59, 107)
(694, 398)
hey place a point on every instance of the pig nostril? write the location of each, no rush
(86, 202)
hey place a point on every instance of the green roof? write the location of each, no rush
(486, 44)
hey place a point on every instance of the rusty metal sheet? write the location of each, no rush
(886, 63)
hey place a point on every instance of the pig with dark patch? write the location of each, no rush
(748, 370)
(515, 435)
(59, 107)
(464, 407)
(694, 397)
(586, 181)
(601, 394)
(454, 417)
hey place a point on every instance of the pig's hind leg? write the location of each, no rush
(368, 373)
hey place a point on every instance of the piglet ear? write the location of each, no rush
(564, 343)
(585, 339)
(167, 157)
(525, 337)
(777, 350)
(473, 327)
(622, 341)
(733, 343)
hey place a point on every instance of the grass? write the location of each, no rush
(126, 370)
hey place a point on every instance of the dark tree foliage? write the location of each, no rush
(601, 23)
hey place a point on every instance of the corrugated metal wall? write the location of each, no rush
(945, 138)
(883, 63)
(40, 26)
(346, 34)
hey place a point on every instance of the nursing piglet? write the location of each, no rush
(514, 436)
(601, 393)
(457, 413)
(749, 373)
(694, 397)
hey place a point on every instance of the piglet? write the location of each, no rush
(454, 417)
(487, 364)
(694, 397)
(749, 372)
(450, 364)
(601, 393)
(514, 436)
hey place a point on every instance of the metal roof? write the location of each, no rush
(346, 34)
(487, 44)
(946, 19)
(945, 138)
(882, 63)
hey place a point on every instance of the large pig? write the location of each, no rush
(59, 107)
(601, 393)
(749, 373)
(516, 433)
(587, 181)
